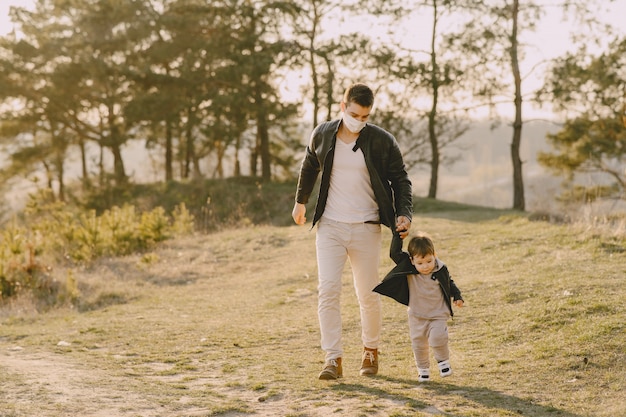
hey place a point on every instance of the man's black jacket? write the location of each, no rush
(390, 181)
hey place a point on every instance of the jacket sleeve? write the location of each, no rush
(395, 284)
(400, 183)
(395, 249)
(454, 290)
(309, 170)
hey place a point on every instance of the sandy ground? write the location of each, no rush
(47, 384)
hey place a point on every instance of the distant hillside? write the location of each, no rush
(482, 174)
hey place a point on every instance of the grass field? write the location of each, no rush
(225, 324)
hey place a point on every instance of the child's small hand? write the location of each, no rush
(458, 303)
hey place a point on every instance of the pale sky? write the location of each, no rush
(553, 35)
(5, 22)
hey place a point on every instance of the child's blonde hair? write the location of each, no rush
(421, 245)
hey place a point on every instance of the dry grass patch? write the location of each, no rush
(225, 324)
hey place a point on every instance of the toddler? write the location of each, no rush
(421, 281)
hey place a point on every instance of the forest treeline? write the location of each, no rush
(200, 84)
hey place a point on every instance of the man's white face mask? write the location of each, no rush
(353, 125)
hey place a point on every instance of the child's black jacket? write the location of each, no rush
(396, 285)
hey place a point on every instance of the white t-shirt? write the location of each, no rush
(350, 195)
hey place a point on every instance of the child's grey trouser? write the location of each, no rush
(425, 333)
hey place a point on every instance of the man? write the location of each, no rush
(364, 184)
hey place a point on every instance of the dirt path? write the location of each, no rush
(44, 382)
(48, 384)
(111, 368)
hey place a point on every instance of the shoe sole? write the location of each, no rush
(367, 372)
(328, 377)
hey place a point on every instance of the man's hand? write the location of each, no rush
(458, 303)
(298, 213)
(403, 224)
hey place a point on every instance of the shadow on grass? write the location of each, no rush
(487, 397)
(379, 393)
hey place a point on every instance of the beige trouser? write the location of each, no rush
(425, 333)
(361, 244)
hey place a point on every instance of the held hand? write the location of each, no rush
(458, 303)
(298, 213)
(403, 224)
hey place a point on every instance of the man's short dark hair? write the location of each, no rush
(360, 94)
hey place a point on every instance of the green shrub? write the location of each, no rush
(20, 269)
(52, 233)
(214, 204)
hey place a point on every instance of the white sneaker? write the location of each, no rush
(423, 375)
(444, 368)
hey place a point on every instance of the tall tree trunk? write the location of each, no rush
(102, 175)
(118, 163)
(264, 144)
(263, 137)
(197, 173)
(189, 149)
(49, 178)
(83, 164)
(60, 173)
(220, 150)
(169, 154)
(314, 76)
(329, 87)
(518, 181)
(316, 87)
(254, 157)
(237, 167)
(432, 116)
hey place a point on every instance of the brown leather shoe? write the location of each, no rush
(332, 369)
(369, 364)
